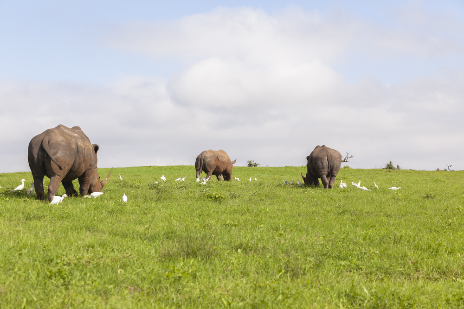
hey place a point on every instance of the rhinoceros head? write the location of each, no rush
(95, 184)
(92, 174)
(227, 173)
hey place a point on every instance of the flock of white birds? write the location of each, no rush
(58, 199)
(358, 185)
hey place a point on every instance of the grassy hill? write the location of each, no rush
(238, 243)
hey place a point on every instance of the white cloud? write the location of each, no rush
(260, 86)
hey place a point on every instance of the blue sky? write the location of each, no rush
(380, 80)
(61, 40)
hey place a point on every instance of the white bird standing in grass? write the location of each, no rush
(236, 178)
(342, 185)
(256, 179)
(124, 198)
(163, 178)
(250, 178)
(120, 176)
(376, 185)
(394, 188)
(364, 188)
(31, 190)
(356, 184)
(178, 179)
(21, 186)
(96, 194)
(57, 199)
(183, 179)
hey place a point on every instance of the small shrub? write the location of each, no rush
(252, 163)
(214, 196)
(390, 166)
(429, 196)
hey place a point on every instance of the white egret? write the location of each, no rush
(163, 178)
(376, 185)
(120, 176)
(250, 178)
(183, 179)
(21, 186)
(124, 198)
(256, 179)
(178, 179)
(364, 188)
(342, 184)
(236, 178)
(96, 194)
(394, 188)
(58, 199)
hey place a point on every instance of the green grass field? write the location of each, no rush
(236, 244)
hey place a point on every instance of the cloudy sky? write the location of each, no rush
(157, 82)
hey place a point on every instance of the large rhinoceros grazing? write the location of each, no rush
(324, 163)
(214, 163)
(63, 154)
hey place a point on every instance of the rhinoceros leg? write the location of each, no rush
(332, 181)
(208, 175)
(68, 186)
(219, 177)
(39, 186)
(325, 181)
(53, 187)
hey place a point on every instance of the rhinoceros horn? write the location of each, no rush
(103, 183)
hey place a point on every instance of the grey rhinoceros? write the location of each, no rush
(324, 163)
(63, 154)
(214, 163)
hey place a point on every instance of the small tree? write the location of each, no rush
(252, 163)
(390, 166)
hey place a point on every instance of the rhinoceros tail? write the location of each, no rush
(233, 162)
(198, 163)
(47, 149)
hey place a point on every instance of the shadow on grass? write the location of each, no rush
(187, 246)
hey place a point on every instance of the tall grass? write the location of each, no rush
(238, 243)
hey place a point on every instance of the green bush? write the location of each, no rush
(390, 166)
(252, 163)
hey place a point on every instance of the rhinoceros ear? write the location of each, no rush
(233, 162)
(95, 147)
(307, 158)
